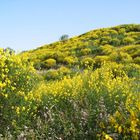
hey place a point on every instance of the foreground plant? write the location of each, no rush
(100, 104)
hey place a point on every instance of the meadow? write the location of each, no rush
(86, 87)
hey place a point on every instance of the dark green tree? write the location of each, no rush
(64, 37)
(10, 50)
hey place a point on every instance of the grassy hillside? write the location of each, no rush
(119, 44)
(83, 88)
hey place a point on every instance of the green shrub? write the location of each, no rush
(96, 42)
(128, 40)
(122, 31)
(52, 75)
(59, 56)
(50, 63)
(93, 36)
(37, 64)
(115, 42)
(137, 60)
(132, 70)
(96, 50)
(87, 62)
(113, 33)
(137, 42)
(64, 70)
(99, 60)
(17, 84)
(69, 60)
(105, 40)
(120, 57)
(132, 50)
(85, 51)
(107, 49)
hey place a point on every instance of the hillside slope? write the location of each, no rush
(86, 87)
(119, 44)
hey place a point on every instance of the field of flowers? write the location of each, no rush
(83, 88)
(100, 104)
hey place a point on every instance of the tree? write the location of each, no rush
(64, 37)
(9, 50)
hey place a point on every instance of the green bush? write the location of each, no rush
(87, 62)
(85, 51)
(128, 40)
(107, 49)
(137, 60)
(113, 33)
(37, 65)
(120, 57)
(115, 42)
(132, 50)
(99, 60)
(105, 40)
(52, 75)
(50, 63)
(132, 70)
(122, 31)
(93, 36)
(59, 56)
(17, 84)
(70, 60)
(64, 70)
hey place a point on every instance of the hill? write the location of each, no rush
(86, 87)
(119, 44)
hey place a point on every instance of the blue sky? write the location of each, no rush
(28, 24)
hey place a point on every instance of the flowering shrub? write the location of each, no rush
(49, 63)
(104, 105)
(128, 40)
(87, 62)
(17, 81)
(85, 51)
(70, 60)
(100, 104)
